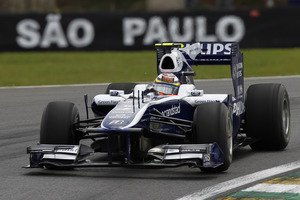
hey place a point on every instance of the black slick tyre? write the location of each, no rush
(268, 116)
(213, 123)
(57, 124)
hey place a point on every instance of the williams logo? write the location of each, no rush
(171, 111)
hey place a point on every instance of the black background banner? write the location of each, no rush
(261, 28)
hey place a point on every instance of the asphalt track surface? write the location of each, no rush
(21, 111)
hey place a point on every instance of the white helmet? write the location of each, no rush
(166, 84)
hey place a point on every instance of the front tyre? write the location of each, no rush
(213, 123)
(57, 124)
(268, 116)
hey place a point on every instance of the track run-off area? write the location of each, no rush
(21, 111)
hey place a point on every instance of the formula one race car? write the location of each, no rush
(169, 123)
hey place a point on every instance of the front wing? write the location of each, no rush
(76, 156)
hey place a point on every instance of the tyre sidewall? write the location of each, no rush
(264, 116)
(57, 123)
(213, 123)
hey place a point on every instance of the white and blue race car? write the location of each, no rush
(170, 123)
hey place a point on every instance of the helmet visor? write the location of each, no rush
(166, 88)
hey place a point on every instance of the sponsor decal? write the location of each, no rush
(205, 101)
(119, 116)
(168, 79)
(238, 108)
(240, 91)
(100, 102)
(171, 111)
(239, 66)
(238, 70)
(116, 122)
(179, 61)
(216, 49)
(73, 150)
(154, 125)
(207, 158)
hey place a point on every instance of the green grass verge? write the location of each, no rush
(47, 68)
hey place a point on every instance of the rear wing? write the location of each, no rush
(211, 53)
(183, 56)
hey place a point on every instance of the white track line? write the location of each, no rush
(99, 84)
(274, 188)
(250, 78)
(52, 86)
(241, 181)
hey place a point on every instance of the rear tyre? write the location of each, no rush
(213, 123)
(268, 116)
(57, 124)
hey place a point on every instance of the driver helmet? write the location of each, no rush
(166, 84)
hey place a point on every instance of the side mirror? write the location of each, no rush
(197, 93)
(189, 73)
(116, 93)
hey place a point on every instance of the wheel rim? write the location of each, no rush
(230, 146)
(285, 117)
(230, 129)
